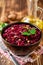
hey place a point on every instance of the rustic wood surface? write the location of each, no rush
(11, 48)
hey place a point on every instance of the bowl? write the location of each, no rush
(22, 50)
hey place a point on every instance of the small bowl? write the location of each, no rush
(21, 50)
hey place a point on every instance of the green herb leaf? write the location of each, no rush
(4, 24)
(32, 31)
(26, 33)
(0, 28)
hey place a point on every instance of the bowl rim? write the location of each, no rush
(20, 23)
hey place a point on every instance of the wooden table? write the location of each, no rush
(41, 43)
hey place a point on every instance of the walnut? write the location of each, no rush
(12, 16)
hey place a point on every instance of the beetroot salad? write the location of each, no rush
(22, 34)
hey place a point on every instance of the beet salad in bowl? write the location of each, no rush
(21, 35)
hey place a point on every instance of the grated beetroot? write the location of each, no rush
(13, 35)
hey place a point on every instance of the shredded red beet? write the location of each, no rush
(13, 35)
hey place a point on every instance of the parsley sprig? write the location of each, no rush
(29, 32)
